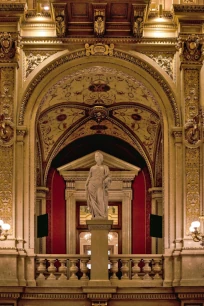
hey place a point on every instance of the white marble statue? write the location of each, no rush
(97, 185)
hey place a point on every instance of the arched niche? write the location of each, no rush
(136, 66)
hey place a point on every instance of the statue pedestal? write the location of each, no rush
(99, 229)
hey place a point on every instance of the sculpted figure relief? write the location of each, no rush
(97, 185)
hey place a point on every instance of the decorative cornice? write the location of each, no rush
(84, 40)
(9, 295)
(145, 296)
(53, 296)
(12, 7)
(185, 8)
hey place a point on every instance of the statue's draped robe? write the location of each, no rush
(97, 191)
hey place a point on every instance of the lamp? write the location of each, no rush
(196, 235)
(4, 227)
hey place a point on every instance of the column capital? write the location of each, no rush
(177, 132)
(21, 132)
(156, 192)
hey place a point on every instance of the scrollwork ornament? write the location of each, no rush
(99, 49)
(6, 131)
(8, 47)
(191, 49)
(138, 27)
(192, 130)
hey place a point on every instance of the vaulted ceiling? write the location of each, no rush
(98, 101)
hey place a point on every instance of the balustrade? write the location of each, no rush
(137, 269)
(61, 267)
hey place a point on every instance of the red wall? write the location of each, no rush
(56, 209)
(141, 208)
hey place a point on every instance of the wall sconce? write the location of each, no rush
(4, 227)
(196, 235)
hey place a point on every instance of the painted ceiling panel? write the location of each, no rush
(98, 85)
(54, 123)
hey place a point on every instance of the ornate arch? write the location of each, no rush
(137, 60)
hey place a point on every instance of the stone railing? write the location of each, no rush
(61, 268)
(143, 269)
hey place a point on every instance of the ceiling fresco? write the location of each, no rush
(98, 84)
(127, 110)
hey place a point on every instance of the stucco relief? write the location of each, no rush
(6, 183)
(164, 60)
(192, 161)
(191, 91)
(6, 147)
(54, 123)
(34, 59)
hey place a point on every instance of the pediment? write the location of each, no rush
(88, 161)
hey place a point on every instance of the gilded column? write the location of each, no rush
(8, 66)
(191, 63)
